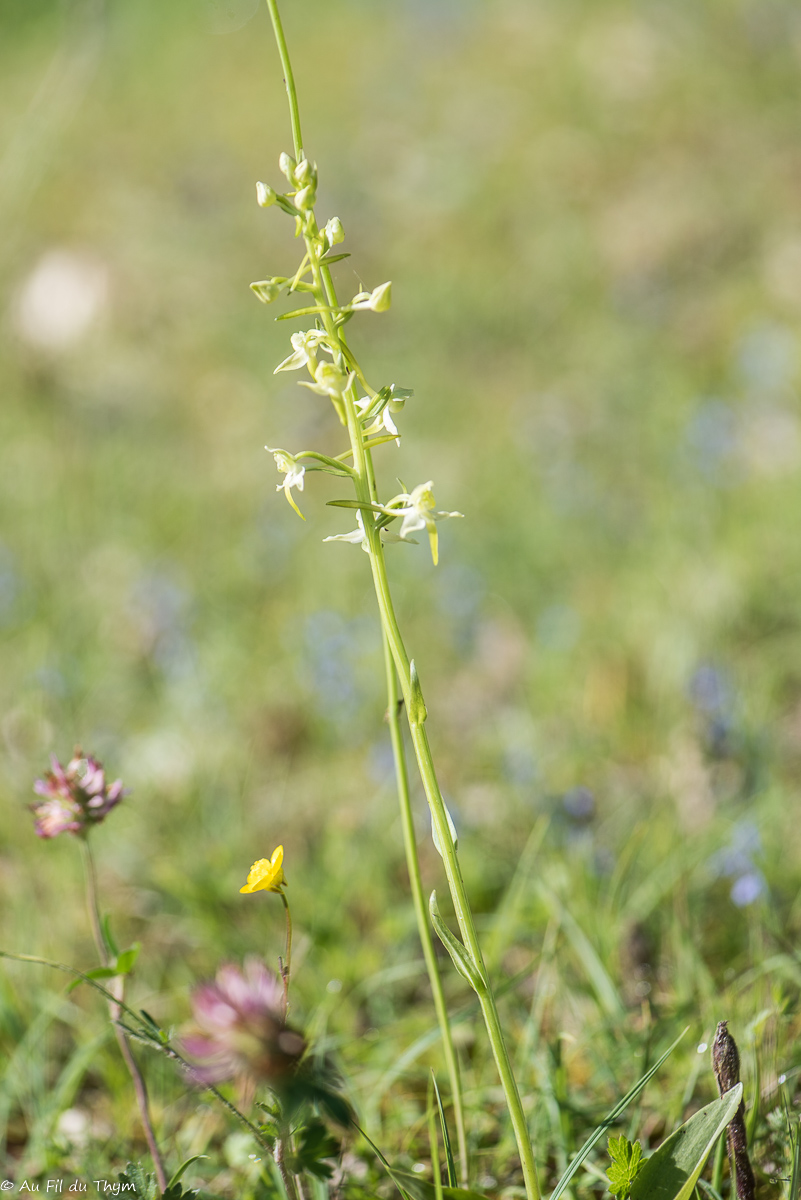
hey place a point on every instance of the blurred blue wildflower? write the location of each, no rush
(736, 861)
(711, 438)
(748, 888)
(767, 357)
(579, 804)
(710, 690)
(712, 694)
(160, 606)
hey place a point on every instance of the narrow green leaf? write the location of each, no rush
(795, 1177)
(95, 973)
(421, 1189)
(332, 258)
(371, 443)
(108, 936)
(605, 989)
(363, 505)
(446, 1137)
(672, 1172)
(186, 1163)
(417, 708)
(610, 1120)
(459, 955)
(708, 1190)
(307, 312)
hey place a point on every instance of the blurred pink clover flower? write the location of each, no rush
(74, 797)
(241, 1028)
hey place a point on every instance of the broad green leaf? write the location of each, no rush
(126, 961)
(672, 1172)
(144, 1184)
(626, 1163)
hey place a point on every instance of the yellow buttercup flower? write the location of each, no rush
(267, 874)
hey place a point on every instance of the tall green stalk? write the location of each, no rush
(467, 955)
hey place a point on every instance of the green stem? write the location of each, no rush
(421, 908)
(289, 78)
(279, 1154)
(117, 987)
(92, 902)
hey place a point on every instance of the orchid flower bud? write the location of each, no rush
(305, 173)
(287, 166)
(268, 290)
(265, 195)
(304, 199)
(334, 233)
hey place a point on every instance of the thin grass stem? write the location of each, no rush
(421, 908)
(117, 988)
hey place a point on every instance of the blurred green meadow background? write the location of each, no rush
(591, 214)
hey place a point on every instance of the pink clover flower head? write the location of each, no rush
(241, 1030)
(74, 797)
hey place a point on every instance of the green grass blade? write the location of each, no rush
(602, 984)
(446, 1137)
(795, 1176)
(611, 1118)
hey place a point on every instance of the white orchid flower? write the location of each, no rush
(384, 419)
(358, 537)
(418, 512)
(329, 380)
(305, 343)
(293, 475)
(378, 300)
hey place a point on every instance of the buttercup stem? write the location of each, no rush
(364, 483)
(421, 908)
(117, 987)
(286, 965)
